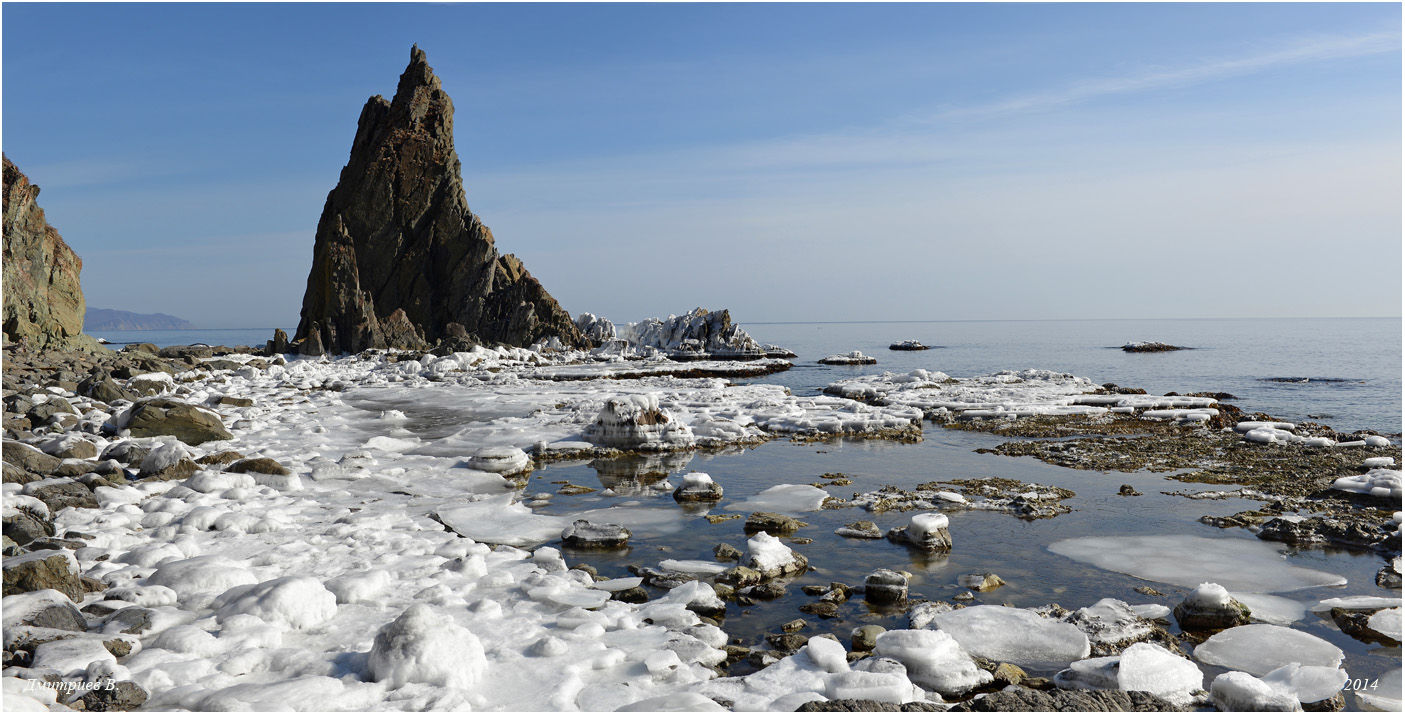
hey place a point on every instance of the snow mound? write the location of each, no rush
(292, 602)
(1377, 483)
(423, 647)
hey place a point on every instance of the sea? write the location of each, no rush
(1343, 372)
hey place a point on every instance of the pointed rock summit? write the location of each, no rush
(399, 260)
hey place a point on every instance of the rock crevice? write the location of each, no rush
(399, 257)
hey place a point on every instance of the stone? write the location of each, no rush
(1023, 699)
(787, 642)
(259, 465)
(726, 552)
(980, 581)
(398, 256)
(124, 695)
(771, 523)
(28, 458)
(860, 530)
(168, 462)
(762, 592)
(884, 587)
(582, 534)
(23, 527)
(927, 532)
(1008, 674)
(43, 296)
(852, 705)
(61, 494)
(821, 609)
(52, 610)
(230, 401)
(155, 417)
(739, 577)
(1126, 490)
(1209, 608)
(36, 572)
(218, 458)
(697, 487)
(279, 344)
(864, 638)
(105, 389)
(55, 406)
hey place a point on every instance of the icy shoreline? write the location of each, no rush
(232, 609)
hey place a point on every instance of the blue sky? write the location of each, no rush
(790, 162)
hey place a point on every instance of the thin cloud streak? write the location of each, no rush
(1313, 50)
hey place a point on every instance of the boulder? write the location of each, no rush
(582, 534)
(398, 256)
(168, 462)
(927, 532)
(119, 696)
(884, 587)
(43, 570)
(698, 487)
(1022, 699)
(771, 523)
(260, 465)
(59, 494)
(1209, 608)
(43, 298)
(166, 416)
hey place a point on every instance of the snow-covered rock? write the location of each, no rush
(424, 647)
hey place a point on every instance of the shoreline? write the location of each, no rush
(326, 390)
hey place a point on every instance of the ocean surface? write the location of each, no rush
(1345, 372)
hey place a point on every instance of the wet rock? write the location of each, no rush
(927, 532)
(885, 587)
(980, 581)
(36, 572)
(160, 416)
(771, 523)
(847, 705)
(739, 577)
(864, 638)
(631, 595)
(1150, 347)
(787, 642)
(698, 487)
(1209, 608)
(1127, 490)
(1320, 530)
(762, 592)
(1024, 699)
(726, 552)
(1389, 575)
(821, 609)
(860, 530)
(260, 465)
(1007, 674)
(1357, 624)
(582, 534)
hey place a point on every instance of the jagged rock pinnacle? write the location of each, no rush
(399, 260)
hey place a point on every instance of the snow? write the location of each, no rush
(1208, 595)
(1377, 482)
(498, 520)
(920, 525)
(1237, 564)
(293, 602)
(768, 554)
(499, 460)
(1013, 635)
(1374, 462)
(1002, 394)
(424, 647)
(783, 499)
(1240, 692)
(1259, 648)
(1385, 697)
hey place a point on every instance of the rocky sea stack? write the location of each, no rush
(43, 298)
(399, 260)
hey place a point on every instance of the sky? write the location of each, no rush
(790, 162)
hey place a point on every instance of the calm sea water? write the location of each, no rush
(1352, 366)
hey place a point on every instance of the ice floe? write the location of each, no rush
(1261, 648)
(1237, 564)
(1013, 635)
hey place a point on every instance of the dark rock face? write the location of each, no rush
(39, 573)
(165, 416)
(43, 301)
(1026, 700)
(399, 256)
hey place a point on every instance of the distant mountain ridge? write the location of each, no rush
(107, 319)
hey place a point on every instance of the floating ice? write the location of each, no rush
(1307, 683)
(1237, 564)
(784, 499)
(497, 520)
(1386, 622)
(1142, 666)
(1377, 483)
(1260, 648)
(1356, 603)
(1013, 635)
(1385, 697)
(1271, 609)
(1240, 692)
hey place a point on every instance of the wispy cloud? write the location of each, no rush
(1308, 50)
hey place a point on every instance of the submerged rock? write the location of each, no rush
(399, 259)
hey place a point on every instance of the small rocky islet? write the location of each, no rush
(142, 485)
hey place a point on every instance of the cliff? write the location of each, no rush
(43, 299)
(399, 260)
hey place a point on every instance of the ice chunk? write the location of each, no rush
(1374, 462)
(1241, 692)
(1260, 648)
(1307, 683)
(1236, 564)
(828, 654)
(1151, 668)
(293, 601)
(1386, 696)
(497, 520)
(1014, 635)
(1356, 603)
(1271, 609)
(499, 460)
(883, 687)
(785, 499)
(1386, 623)
(682, 702)
(423, 647)
(933, 659)
(637, 422)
